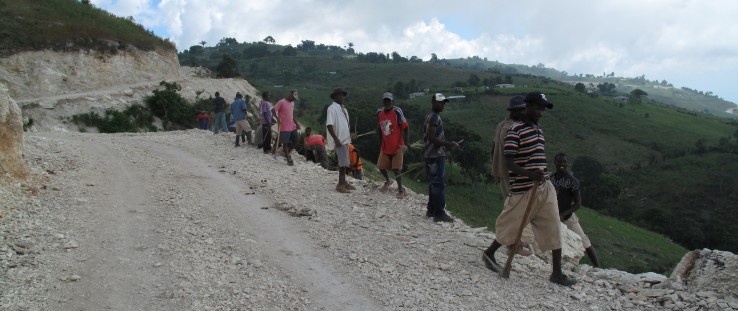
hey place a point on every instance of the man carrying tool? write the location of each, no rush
(393, 133)
(434, 154)
(570, 199)
(515, 106)
(526, 161)
(337, 125)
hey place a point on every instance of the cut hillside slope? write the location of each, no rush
(50, 87)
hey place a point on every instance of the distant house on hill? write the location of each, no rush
(416, 94)
(504, 85)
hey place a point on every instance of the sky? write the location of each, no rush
(689, 43)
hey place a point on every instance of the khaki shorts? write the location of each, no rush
(242, 126)
(390, 161)
(543, 218)
(573, 224)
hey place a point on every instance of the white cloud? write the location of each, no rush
(658, 38)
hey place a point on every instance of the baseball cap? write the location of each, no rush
(439, 97)
(538, 98)
(516, 102)
(388, 95)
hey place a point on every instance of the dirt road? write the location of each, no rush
(161, 229)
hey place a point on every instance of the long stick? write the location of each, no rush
(367, 133)
(505, 273)
(276, 143)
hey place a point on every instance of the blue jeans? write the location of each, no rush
(436, 169)
(218, 121)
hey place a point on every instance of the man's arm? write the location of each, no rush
(337, 142)
(430, 134)
(575, 204)
(536, 175)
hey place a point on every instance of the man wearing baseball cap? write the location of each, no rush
(526, 162)
(393, 134)
(435, 159)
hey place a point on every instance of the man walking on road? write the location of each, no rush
(393, 133)
(238, 114)
(526, 161)
(435, 159)
(570, 199)
(266, 121)
(284, 111)
(515, 106)
(219, 118)
(337, 125)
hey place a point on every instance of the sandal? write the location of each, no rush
(401, 194)
(386, 186)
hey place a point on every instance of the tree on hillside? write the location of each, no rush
(579, 87)
(635, 95)
(606, 88)
(473, 80)
(269, 40)
(169, 106)
(396, 58)
(227, 67)
(202, 43)
(306, 45)
(227, 42)
(289, 51)
(434, 58)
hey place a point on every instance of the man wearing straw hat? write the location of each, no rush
(526, 163)
(337, 126)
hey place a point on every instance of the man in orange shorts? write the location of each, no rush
(393, 133)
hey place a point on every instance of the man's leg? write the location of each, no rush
(592, 256)
(398, 178)
(322, 155)
(489, 256)
(387, 182)
(267, 133)
(216, 123)
(223, 120)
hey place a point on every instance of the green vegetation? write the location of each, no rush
(69, 25)
(135, 118)
(630, 155)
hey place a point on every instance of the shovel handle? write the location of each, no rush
(505, 273)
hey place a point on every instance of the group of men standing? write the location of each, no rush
(518, 163)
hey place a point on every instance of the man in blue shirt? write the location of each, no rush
(238, 114)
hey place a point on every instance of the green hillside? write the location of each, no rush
(658, 91)
(69, 25)
(626, 154)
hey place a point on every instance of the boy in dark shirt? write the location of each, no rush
(570, 199)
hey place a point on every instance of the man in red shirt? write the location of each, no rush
(315, 143)
(393, 132)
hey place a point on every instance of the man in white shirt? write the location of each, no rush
(337, 126)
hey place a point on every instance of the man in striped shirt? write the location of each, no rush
(526, 162)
